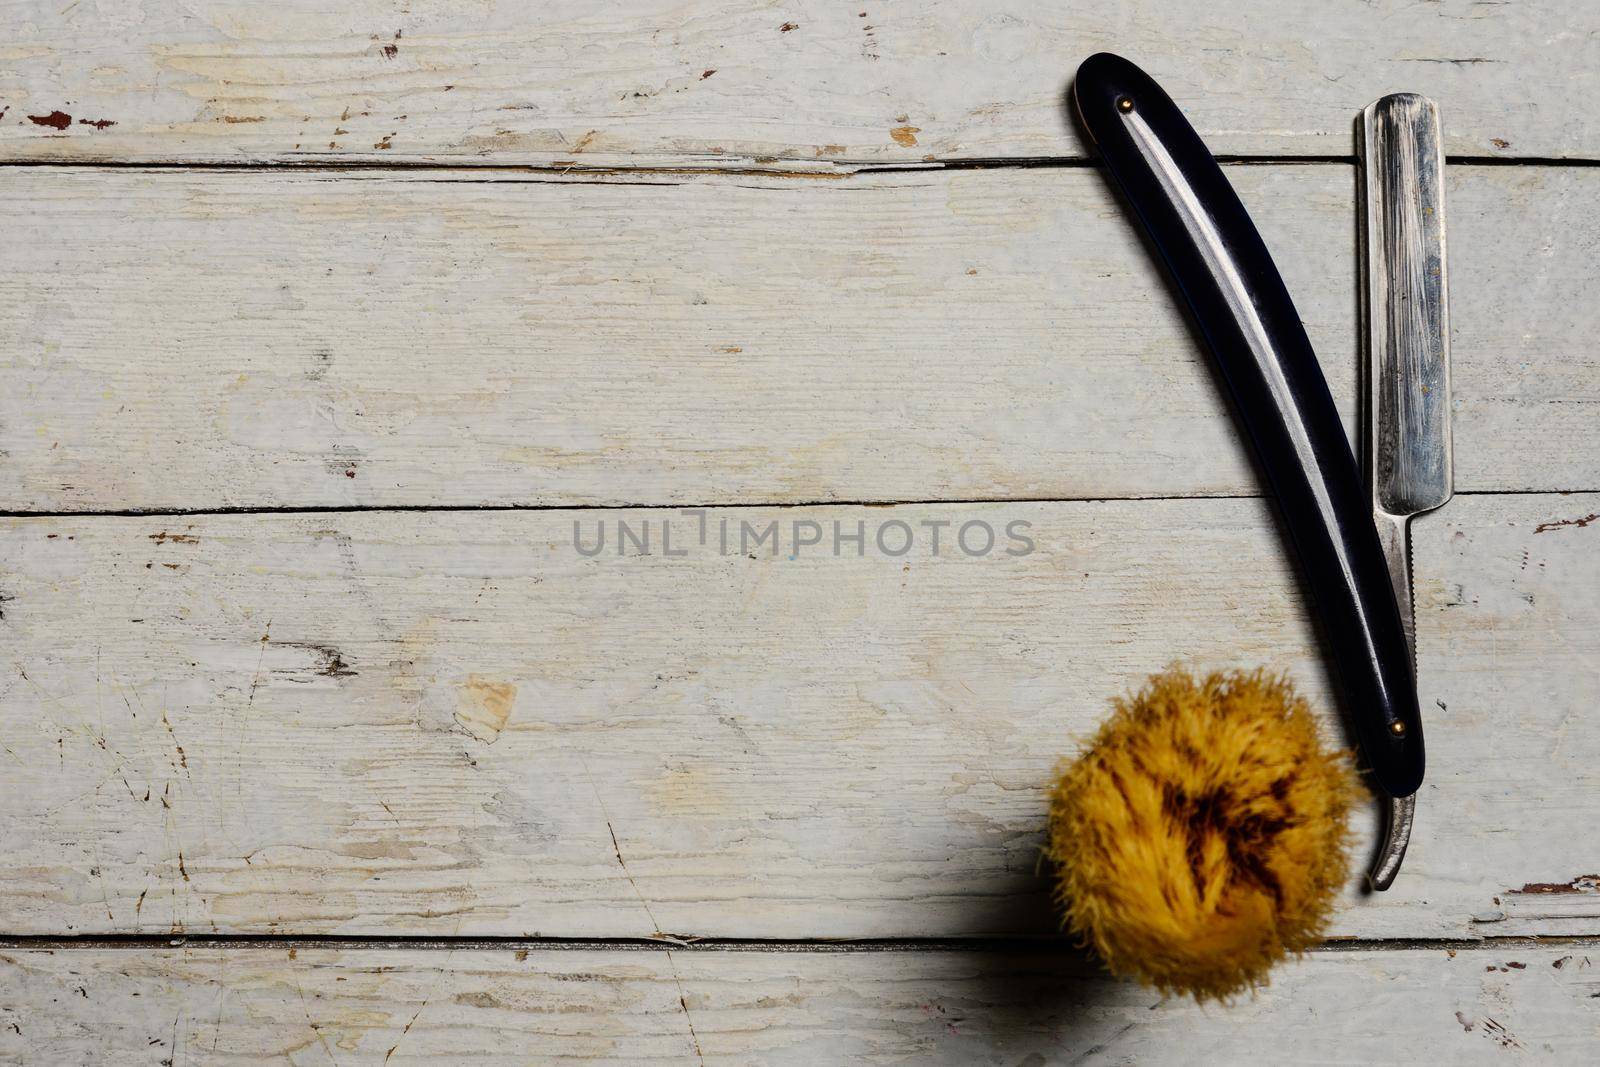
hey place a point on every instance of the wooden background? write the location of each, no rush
(321, 326)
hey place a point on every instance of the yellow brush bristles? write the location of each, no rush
(1200, 837)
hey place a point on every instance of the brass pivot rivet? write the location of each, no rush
(1124, 104)
(1397, 728)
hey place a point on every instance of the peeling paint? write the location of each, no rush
(485, 707)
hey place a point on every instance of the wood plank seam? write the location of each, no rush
(1058, 946)
(773, 505)
(734, 168)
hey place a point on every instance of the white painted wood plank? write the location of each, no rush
(322, 1006)
(671, 81)
(235, 340)
(454, 723)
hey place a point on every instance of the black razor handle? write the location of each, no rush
(1227, 277)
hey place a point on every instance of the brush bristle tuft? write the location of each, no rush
(1201, 837)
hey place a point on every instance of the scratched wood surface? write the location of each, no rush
(313, 1005)
(199, 340)
(314, 262)
(456, 723)
(760, 83)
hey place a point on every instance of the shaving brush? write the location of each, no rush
(1201, 836)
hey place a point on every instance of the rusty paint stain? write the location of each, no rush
(1584, 883)
(98, 124)
(788, 27)
(390, 51)
(707, 73)
(243, 118)
(179, 539)
(1500, 142)
(485, 707)
(1558, 523)
(905, 135)
(58, 120)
